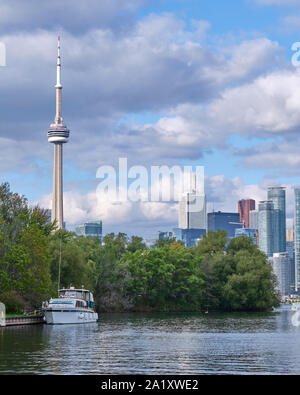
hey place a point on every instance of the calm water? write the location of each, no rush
(157, 344)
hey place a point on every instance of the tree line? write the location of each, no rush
(122, 272)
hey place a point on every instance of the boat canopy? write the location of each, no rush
(76, 293)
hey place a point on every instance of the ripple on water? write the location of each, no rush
(157, 344)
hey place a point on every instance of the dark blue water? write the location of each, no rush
(265, 343)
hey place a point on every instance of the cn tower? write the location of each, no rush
(58, 134)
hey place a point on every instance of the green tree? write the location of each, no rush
(236, 278)
(212, 243)
(164, 242)
(24, 253)
(135, 243)
(124, 273)
(106, 258)
(73, 255)
(252, 285)
(166, 278)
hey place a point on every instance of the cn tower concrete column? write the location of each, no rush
(53, 212)
(57, 198)
(60, 186)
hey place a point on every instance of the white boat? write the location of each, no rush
(73, 306)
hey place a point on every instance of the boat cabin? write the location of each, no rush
(74, 293)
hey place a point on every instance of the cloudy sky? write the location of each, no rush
(181, 82)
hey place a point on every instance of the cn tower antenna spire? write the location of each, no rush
(58, 69)
(58, 86)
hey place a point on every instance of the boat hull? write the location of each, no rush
(56, 317)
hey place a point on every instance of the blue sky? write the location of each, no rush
(159, 82)
(236, 17)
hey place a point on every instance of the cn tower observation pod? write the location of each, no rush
(58, 133)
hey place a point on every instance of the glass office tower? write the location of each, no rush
(93, 229)
(281, 264)
(290, 251)
(277, 196)
(297, 239)
(223, 221)
(253, 219)
(266, 227)
(190, 237)
(252, 233)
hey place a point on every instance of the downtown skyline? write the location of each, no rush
(165, 83)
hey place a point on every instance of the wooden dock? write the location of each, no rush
(32, 320)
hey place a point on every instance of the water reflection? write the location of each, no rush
(157, 344)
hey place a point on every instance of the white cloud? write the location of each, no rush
(222, 193)
(289, 23)
(267, 106)
(155, 66)
(18, 156)
(75, 16)
(248, 60)
(282, 157)
(131, 217)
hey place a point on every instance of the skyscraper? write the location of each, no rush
(253, 219)
(277, 196)
(253, 223)
(192, 208)
(93, 229)
(281, 264)
(266, 227)
(244, 208)
(223, 221)
(252, 233)
(58, 134)
(297, 239)
(190, 237)
(290, 251)
(165, 235)
(289, 235)
(192, 211)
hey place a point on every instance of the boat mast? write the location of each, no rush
(59, 266)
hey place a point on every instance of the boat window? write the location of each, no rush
(60, 302)
(79, 303)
